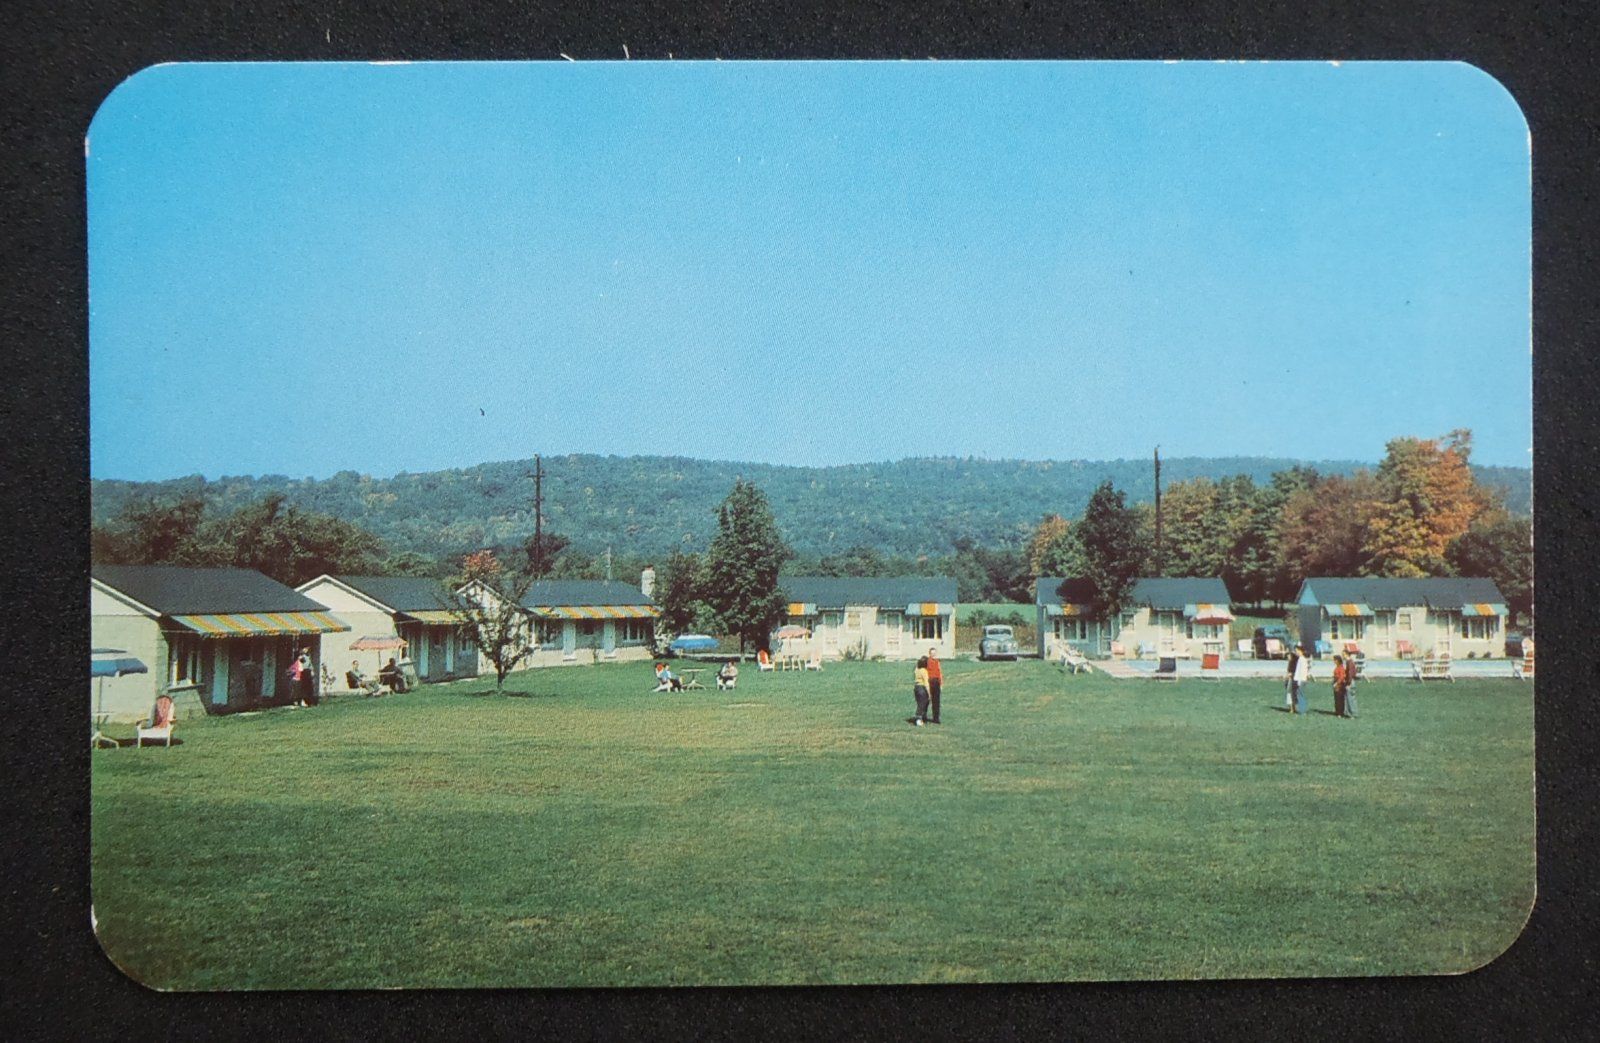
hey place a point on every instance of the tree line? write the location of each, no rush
(1422, 512)
(649, 505)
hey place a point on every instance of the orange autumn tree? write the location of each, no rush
(1426, 498)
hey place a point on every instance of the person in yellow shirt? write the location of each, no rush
(919, 689)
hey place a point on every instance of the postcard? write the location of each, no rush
(657, 523)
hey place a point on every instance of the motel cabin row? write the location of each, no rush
(221, 640)
(1378, 617)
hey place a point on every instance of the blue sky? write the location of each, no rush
(308, 268)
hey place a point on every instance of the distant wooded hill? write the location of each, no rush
(641, 506)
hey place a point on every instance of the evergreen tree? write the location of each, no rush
(742, 566)
(1111, 549)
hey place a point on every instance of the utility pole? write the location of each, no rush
(608, 564)
(1160, 562)
(536, 566)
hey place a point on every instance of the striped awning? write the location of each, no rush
(802, 608)
(1067, 609)
(1483, 609)
(1207, 612)
(432, 615)
(1348, 608)
(929, 608)
(260, 624)
(596, 611)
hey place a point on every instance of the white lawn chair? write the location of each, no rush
(159, 727)
(1074, 660)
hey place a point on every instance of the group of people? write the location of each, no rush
(927, 679)
(390, 676)
(1298, 676)
(667, 681)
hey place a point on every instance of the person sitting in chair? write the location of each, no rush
(728, 676)
(356, 681)
(391, 676)
(666, 680)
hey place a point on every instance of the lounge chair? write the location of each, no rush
(1211, 666)
(357, 683)
(763, 661)
(1166, 669)
(1146, 649)
(1074, 660)
(159, 726)
(815, 662)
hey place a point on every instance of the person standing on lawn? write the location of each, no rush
(935, 682)
(919, 691)
(1300, 676)
(1341, 685)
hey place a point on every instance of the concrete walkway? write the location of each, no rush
(1321, 669)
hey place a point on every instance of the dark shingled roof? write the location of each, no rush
(1438, 592)
(587, 592)
(888, 591)
(399, 593)
(176, 591)
(1169, 593)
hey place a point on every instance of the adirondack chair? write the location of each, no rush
(1119, 650)
(159, 726)
(1211, 666)
(1432, 667)
(1522, 669)
(1404, 649)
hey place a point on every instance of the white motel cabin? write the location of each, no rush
(1388, 618)
(1182, 617)
(578, 621)
(898, 617)
(412, 609)
(216, 640)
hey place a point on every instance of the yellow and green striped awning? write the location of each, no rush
(260, 624)
(1350, 609)
(431, 615)
(1483, 609)
(802, 608)
(1208, 612)
(596, 611)
(929, 608)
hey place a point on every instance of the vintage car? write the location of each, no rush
(999, 642)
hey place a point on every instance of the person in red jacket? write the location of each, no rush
(935, 681)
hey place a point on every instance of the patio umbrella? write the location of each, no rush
(783, 633)
(693, 643)
(379, 643)
(104, 663)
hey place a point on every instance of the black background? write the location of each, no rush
(57, 65)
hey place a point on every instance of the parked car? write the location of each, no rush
(999, 642)
(1272, 631)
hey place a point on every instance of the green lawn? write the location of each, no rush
(587, 832)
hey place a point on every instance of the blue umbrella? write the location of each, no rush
(104, 663)
(693, 643)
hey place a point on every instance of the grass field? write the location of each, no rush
(587, 832)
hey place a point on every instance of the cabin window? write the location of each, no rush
(634, 631)
(1127, 620)
(1072, 629)
(930, 628)
(1348, 628)
(852, 620)
(547, 633)
(1405, 622)
(183, 659)
(1478, 627)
